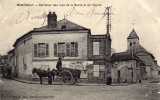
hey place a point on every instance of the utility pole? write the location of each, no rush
(108, 20)
(107, 13)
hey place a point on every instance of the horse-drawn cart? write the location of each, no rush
(66, 75)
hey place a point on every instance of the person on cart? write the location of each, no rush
(59, 64)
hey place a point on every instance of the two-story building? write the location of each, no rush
(41, 47)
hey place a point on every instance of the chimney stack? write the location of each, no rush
(52, 20)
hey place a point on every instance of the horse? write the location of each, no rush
(43, 73)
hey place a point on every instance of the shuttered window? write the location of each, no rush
(61, 49)
(69, 49)
(55, 50)
(76, 49)
(35, 50)
(41, 50)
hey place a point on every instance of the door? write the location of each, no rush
(119, 76)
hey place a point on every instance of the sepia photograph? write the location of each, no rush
(79, 50)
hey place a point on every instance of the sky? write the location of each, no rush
(142, 15)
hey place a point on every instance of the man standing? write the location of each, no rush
(49, 77)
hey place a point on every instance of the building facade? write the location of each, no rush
(41, 48)
(127, 68)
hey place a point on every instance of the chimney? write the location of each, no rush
(52, 20)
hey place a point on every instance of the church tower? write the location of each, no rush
(132, 41)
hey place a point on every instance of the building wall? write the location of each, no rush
(51, 39)
(101, 60)
(23, 56)
(81, 38)
(11, 62)
(149, 62)
(122, 71)
(155, 74)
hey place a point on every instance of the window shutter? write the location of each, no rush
(55, 50)
(76, 49)
(68, 49)
(47, 50)
(35, 50)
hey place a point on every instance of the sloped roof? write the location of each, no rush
(63, 24)
(123, 56)
(144, 55)
(133, 34)
(140, 49)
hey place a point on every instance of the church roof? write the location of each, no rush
(141, 49)
(133, 35)
(62, 25)
(144, 55)
(123, 56)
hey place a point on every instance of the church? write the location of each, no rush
(134, 64)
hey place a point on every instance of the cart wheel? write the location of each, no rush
(67, 77)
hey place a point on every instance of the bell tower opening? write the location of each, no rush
(133, 40)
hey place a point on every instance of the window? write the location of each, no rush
(96, 70)
(130, 44)
(158, 72)
(74, 49)
(69, 49)
(96, 47)
(61, 49)
(41, 50)
(134, 43)
(63, 27)
(99, 71)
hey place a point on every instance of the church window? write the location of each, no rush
(134, 43)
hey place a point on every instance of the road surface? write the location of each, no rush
(13, 90)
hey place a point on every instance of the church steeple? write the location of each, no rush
(133, 35)
(133, 40)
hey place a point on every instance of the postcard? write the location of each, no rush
(79, 50)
